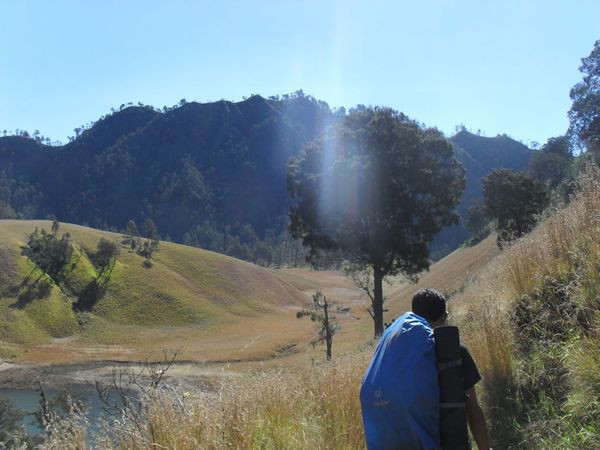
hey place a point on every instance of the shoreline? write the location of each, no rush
(181, 375)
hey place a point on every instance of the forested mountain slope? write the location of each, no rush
(211, 175)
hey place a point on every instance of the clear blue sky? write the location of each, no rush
(499, 66)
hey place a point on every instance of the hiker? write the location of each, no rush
(400, 394)
(431, 305)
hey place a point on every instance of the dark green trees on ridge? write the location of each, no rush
(210, 175)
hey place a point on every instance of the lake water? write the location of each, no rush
(27, 401)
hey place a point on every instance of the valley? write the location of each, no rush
(248, 313)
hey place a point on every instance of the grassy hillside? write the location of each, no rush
(212, 307)
(450, 275)
(186, 288)
(530, 316)
(301, 403)
(223, 310)
(532, 319)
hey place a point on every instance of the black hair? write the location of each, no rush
(429, 304)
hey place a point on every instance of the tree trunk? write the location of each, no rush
(378, 300)
(327, 326)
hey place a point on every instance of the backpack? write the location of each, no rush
(400, 395)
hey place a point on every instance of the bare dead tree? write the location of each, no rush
(321, 314)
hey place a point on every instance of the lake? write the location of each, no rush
(27, 401)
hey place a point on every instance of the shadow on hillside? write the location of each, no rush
(28, 291)
(89, 296)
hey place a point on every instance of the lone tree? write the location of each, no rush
(106, 257)
(151, 244)
(378, 187)
(515, 200)
(321, 313)
(132, 234)
(150, 230)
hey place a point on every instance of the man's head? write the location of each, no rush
(431, 305)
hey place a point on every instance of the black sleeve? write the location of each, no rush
(469, 370)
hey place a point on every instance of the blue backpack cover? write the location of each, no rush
(400, 394)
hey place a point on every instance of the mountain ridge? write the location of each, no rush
(208, 174)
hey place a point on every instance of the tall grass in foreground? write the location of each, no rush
(532, 321)
(316, 407)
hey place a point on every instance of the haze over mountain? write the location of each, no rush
(211, 175)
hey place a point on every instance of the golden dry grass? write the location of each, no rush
(210, 307)
(189, 299)
(290, 402)
(280, 398)
(450, 275)
(315, 407)
(302, 404)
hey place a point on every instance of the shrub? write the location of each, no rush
(49, 253)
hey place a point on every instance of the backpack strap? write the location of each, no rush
(441, 366)
(453, 405)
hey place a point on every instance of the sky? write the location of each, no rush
(496, 66)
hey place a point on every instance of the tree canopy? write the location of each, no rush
(515, 200)
(379, 187)
(584, 114)
(49, 253)
(552, 162)
(106, 255)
